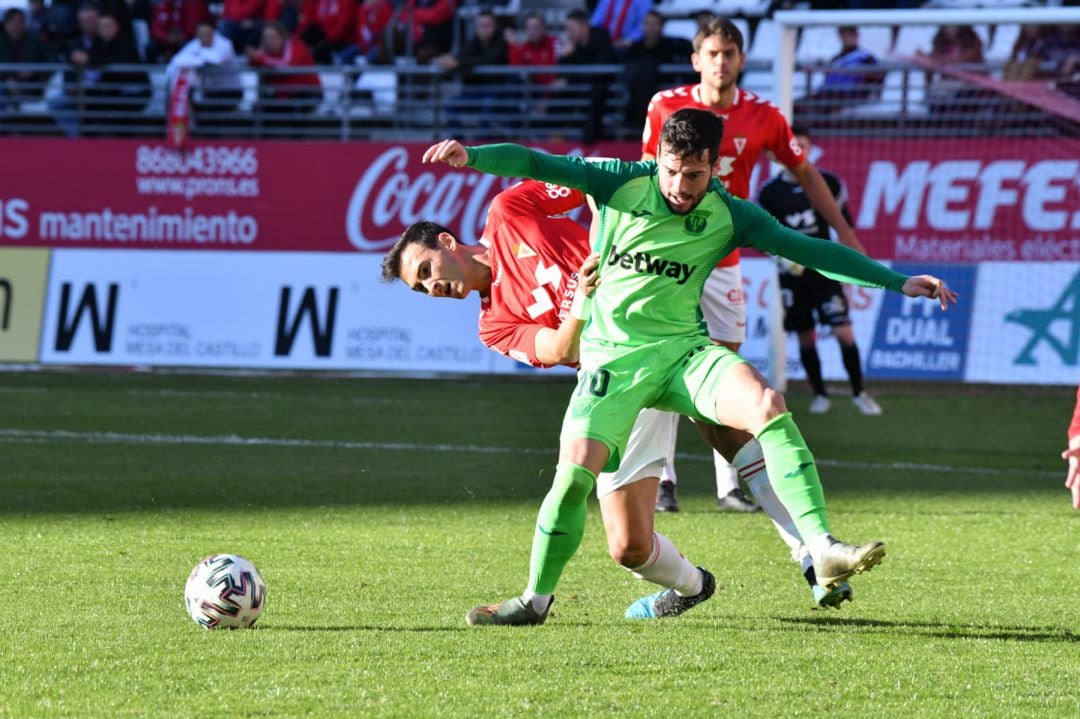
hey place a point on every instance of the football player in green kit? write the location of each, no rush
(662, 226)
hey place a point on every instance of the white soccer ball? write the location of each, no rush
(225, 591)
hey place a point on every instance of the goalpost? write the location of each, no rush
(971, 171)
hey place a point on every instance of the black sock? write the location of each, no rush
(812, 364)
(850, 354)
(811, 577)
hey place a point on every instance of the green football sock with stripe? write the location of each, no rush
(793, 476)
(559, 526)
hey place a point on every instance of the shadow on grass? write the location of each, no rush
(939, 629)
(354, 628)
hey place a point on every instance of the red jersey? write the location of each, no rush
(372, 19)
(183, 16)
(336, 18)
(1074, 427)
(751, 124)
(536, 251)
(541, 53)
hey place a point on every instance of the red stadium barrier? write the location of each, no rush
(925, 200)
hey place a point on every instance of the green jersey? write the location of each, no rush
(653, 262)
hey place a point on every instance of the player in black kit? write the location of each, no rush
(807, 292)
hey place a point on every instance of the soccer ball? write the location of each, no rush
(225, 591)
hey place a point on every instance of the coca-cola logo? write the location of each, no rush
(393, 194)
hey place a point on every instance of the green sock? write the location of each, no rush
(559, 526)
(794, 476)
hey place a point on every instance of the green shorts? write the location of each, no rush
(679, 375)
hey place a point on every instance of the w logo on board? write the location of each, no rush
(101, 316)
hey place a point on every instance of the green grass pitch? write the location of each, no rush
(380, 510)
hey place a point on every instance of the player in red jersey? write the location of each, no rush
(530, 270)
(1072, 454)
(751, 125)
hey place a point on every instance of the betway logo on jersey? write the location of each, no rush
(962, 195)
(645, 264)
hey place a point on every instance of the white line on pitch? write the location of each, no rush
(29, 436)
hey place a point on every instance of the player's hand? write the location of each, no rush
(451, 152)
(930, 286)
(1072, 479)
(589, 274)
(848, 238)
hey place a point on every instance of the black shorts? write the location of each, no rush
(810, 293)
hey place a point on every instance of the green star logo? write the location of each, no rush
(1066, 310)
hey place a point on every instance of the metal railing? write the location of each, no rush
(408, 102)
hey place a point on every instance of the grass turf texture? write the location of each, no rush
(373, 552)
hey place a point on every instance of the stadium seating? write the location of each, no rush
(1001, 45)
(912, 38)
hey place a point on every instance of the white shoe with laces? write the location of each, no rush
(820, 404)
(866, 404)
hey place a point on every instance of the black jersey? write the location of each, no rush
(784, 199)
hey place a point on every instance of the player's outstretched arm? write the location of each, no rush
(930, 286)
(817, 191)
(599, 179)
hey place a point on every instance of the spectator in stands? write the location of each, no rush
(115, 92)
(123, 12)
(77, 50)
(587, 45)
(485, 47)
(952, 45)
(703, 18)
(37, 20)
(623, 19)
(481, 93)
(77, 53)
(62, 25)
(537, 47)
(216, 83)
(17, 46)
(328, 27)
(1044, 52)
(172, 25)
(956, 45)
(852, 77)
(643, 60)
(242, 21)
(372, 19)
(424, 29)
(284, 92)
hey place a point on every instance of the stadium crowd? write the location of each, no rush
(459, 38)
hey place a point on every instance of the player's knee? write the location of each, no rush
(572, 483)
(771, 405)
(628, 551)
(629, 556)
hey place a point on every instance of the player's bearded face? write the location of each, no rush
(683, 180)
(719, 62)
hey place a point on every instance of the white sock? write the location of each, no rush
(749, 461)
(817, 545)
(727, 478)
(539, 602)
(668, 473)
(668, 568)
